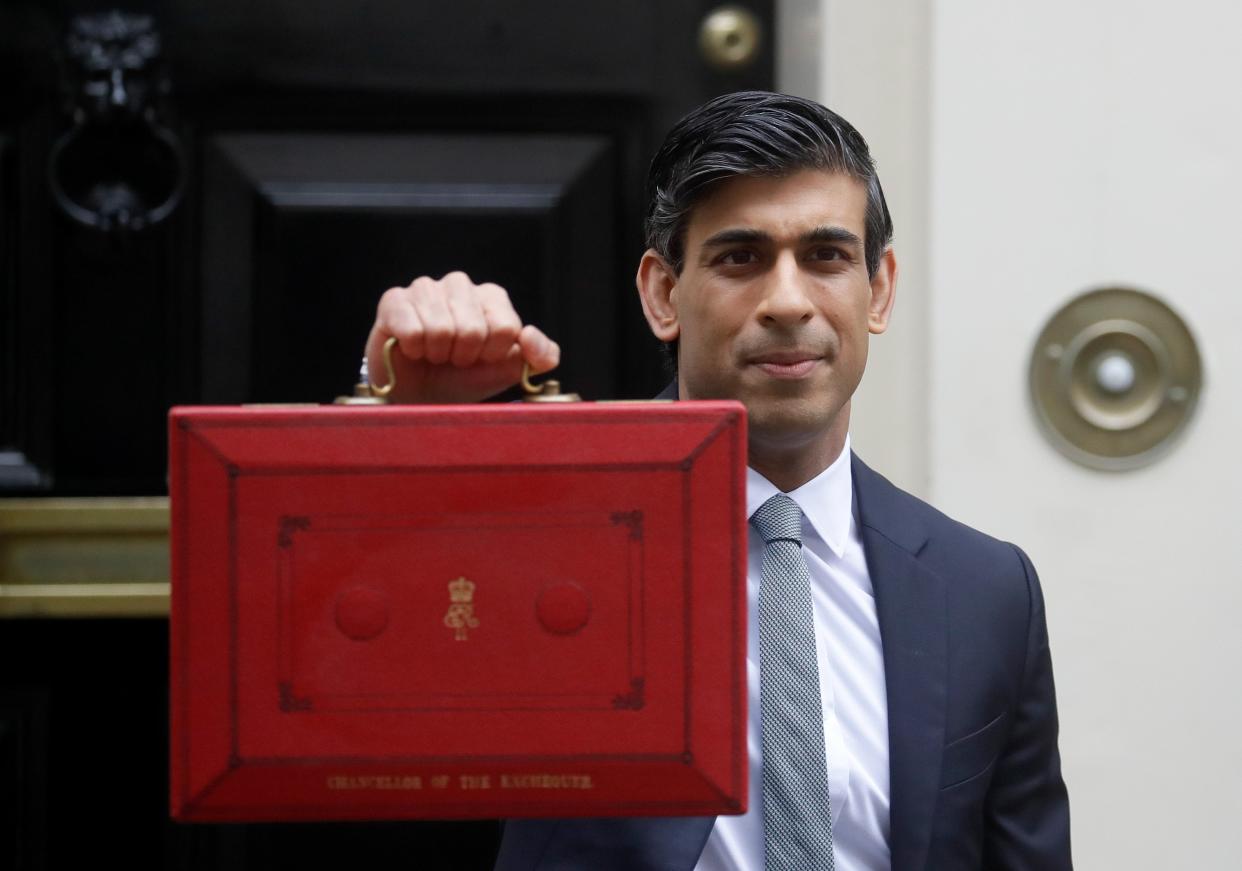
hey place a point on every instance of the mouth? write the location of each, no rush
(787, 364)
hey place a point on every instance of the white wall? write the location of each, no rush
(887, 101)
(1030, 152)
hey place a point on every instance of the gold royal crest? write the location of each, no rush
(460, 616)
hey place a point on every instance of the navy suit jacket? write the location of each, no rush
(975, 775)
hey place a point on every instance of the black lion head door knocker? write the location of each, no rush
(118, 167)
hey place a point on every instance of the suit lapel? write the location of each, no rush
(910, 605)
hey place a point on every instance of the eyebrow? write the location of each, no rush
(833, 234)
(742, 235)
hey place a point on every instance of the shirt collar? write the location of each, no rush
(827, 500)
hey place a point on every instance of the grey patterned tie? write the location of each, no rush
(797, 823)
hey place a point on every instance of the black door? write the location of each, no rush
(201, 203)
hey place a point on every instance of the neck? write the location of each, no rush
(791, 466)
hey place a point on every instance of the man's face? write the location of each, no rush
(774, 306)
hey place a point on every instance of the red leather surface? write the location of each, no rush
(451, 612)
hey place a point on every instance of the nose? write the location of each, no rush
(785, 300)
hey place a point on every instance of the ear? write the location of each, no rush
(883, 293)
(656, 282)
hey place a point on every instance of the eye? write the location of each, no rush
(829, 254)
(737, 257)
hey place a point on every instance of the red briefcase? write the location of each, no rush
(459, 611)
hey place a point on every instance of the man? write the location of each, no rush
(901, 696)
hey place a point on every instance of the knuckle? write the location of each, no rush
(439, 335)
(470, 335)
(496, 297)
(505, 332)
(421, 286)
(395, 319)
(389, 298)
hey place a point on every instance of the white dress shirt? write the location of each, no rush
(851, 682)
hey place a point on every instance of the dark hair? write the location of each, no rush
(755, 133)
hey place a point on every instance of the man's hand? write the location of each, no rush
(459, 341)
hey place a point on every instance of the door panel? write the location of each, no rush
(302, 231)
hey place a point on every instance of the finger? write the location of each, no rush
(538, 350)
(396, 317)
(470, 333)
(428, 298)
(503, 323)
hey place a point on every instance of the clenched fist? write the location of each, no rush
(459, 341)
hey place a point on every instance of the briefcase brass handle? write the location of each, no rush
(383, 392)
(368, 393)
(548, 391)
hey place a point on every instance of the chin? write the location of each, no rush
(790, 424)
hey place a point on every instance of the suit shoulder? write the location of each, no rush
(931, 534)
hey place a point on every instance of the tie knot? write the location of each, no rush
(778, 519)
